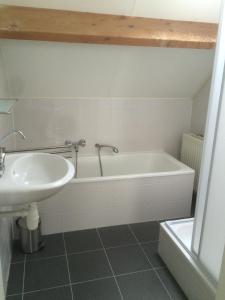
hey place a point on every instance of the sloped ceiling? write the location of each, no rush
(60, 70)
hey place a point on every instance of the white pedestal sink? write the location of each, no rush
(33, 177)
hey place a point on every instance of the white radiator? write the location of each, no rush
(191, 153)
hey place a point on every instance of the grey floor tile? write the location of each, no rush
(61, 293)
(147, 231)
(17, 254)
(105, 289)
(46, 273)
(116, 235)
(151, 249)
(82, 240)
(87, 266)
(54, 246)
(172, 286)
(143, 286)
(16, 297)
(15, 283)
(127, 259)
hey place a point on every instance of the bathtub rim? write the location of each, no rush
(127, 177)
(184, 169)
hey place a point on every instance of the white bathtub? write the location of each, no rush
(136, 187)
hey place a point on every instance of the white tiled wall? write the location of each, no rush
(130, 124)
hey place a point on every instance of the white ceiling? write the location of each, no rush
(193, 10)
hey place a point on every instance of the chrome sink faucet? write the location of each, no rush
(2, 149)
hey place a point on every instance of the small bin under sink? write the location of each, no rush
(30, 240)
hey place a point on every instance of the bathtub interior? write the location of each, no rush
(129, 163)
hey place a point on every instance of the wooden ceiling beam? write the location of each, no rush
(27, 23)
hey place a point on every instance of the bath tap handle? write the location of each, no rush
(81, 142)
(76, 145)
(114, 149)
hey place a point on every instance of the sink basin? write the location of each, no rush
(33, 177)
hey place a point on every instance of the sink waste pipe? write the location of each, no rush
(31, 214)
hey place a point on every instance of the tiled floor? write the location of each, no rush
(110, 263)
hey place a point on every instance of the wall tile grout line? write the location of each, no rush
(121, 295)
(68, 269)
(155, 271)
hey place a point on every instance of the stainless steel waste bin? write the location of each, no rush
(30, 240)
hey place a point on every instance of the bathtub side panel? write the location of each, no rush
(105, 203)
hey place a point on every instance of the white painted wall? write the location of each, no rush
(213, 234)
(200, 108)
(201, 10)
(60, 70)
(131, 124)
(5, 223)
